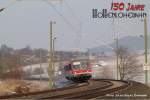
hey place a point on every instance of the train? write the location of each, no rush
(78, 71)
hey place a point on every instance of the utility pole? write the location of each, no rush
(117, 58)
(54, 54)
(88, 54)
(40, 65)
(146, 47)
(50, 71)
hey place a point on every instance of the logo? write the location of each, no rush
(121, 10)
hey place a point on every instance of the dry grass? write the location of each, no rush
(17, 86)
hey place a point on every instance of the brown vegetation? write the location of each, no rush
(129, 66)
(17, 86)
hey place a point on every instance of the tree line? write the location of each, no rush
(12, 60)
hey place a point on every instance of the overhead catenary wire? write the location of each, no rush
(74, 15)
(79, 32)
(9, 5)
(66, 21)
(12, 2)
(71, 11)
(62, 16)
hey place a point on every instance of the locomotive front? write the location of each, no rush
(78, 71)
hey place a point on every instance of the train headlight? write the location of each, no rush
(59, 72)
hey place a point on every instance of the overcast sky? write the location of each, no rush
(27, 23)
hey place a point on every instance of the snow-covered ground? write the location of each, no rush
(110, 68)
(107, 66)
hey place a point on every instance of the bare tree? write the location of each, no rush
(129, 66)
(10, 67)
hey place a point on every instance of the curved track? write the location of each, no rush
(92, 89)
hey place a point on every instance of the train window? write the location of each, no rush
(67, 67)
(84, 65)
(80, 65)
(77, 66)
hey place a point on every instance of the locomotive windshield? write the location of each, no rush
(79, 65)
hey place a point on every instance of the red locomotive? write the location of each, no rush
(78, 71)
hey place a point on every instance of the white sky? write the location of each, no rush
(27, 23)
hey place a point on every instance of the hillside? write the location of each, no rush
(131, 42)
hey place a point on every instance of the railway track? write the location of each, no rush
(111, 86)
(92, 89)
(38, 93)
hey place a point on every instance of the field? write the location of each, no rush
(11, 86)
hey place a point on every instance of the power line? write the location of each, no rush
(9, 5)
(68, 23)
(62, 16)
(79, 34)
(71, 11)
